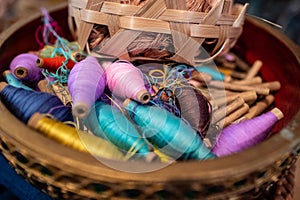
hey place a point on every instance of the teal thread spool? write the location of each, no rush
(167, 132)
(108, 122)
(215, 75)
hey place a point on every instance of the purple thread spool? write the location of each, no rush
(86, 84)
(24, 68)
(238, 137)
(126, 81)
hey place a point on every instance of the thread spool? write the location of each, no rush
(126, 81)
(24, 103)
(229, 86)
(194, 108)
(109, 123)
(215, 75)
(73, 138)
(11, 80)
(24, 68)
(86, 84)
(52, 64)
(246, 134)
(167, 132)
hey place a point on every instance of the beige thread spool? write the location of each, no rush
(273, 86)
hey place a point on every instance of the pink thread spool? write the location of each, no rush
(86, 84)
(24, 68)
(238, 137)
(126, 81)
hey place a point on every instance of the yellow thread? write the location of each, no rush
(77, 139)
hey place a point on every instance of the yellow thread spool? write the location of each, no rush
(71, 137)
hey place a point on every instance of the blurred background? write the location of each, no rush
(284, 13)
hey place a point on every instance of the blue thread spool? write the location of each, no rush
(167, 132)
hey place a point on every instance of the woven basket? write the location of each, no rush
(157, 29)
(263, 172)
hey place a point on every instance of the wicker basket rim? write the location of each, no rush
(73, 162)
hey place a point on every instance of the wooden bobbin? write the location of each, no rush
(232, 73)
(44, 86)
(226, 110)
(253, 81)
(254, 69)
(278, 113)
(2, 86)
(273, 86)
(234, 116)
(229, 86)
(247, 96)
(143, 96)
(20, 72)
(259, 107)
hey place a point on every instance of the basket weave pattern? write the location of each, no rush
(274, 181)
(188, 30)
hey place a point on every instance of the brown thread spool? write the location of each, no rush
(247, 96)
(229, 86)
(254, 69)
(253, 81)
(234, 116)
(260, 106)
(273, 86)
(226, 110)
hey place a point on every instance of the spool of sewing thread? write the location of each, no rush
(86, 84)
(73, 138)
(194, 108)
(126, 81)
(234, 116)
(215, 75)
(238, 137)
(108, 122)
(259, 90)
(254, 69)
(24, 67)
(52, 64)
(259, 107)
(168, 133)
(11, 80)
(226, 110)
(24, 103)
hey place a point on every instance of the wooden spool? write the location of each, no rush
(64, 173)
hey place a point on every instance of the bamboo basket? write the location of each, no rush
(265, 171)
(157, 29)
